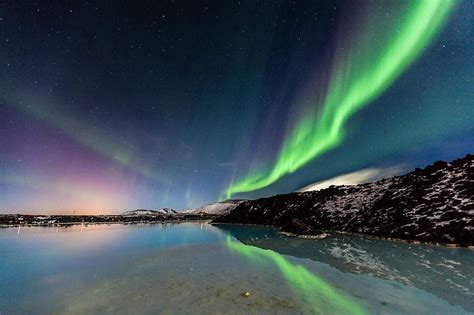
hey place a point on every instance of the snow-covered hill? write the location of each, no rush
(218, 208)
(434, 204)
(140, 212)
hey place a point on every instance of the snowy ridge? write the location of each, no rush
(140, 212)
(435, 204)
(220, 208)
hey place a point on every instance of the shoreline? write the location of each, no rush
(15, 220)
(183, 218)
(329, 233)
(66, 224)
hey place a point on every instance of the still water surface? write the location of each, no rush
(196, 268)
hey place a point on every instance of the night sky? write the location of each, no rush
(107, 106)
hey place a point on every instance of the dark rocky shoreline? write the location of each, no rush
(430, 205)
(7, 220)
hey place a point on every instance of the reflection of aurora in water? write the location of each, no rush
(182, 269)
(305, 284)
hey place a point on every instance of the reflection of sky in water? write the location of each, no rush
(304, 283)
(445, 272)
(190, 267)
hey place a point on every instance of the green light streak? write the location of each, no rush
(373, 63)
(86, 135)
(304, 284)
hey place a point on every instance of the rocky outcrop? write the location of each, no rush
(434, 204)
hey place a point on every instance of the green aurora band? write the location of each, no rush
(304, 284)
(374, 61)
(87, 135)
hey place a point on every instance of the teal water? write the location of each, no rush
(196, 268)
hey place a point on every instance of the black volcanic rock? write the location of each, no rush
(296, 226)
(434, 204)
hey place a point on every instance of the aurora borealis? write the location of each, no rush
(362, 74)
(108, 107)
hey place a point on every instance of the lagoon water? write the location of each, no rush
(197, 268)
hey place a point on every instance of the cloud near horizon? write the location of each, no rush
(362, 176)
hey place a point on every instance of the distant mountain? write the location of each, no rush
(140, 212)
(434, 204)
(218, 208)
